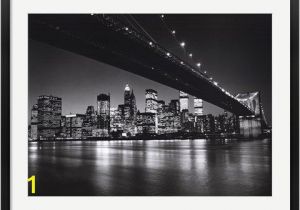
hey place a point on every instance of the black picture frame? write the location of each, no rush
(294, 95)
(5, 105)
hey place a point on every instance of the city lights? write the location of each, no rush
(182, 44)
(156, 114)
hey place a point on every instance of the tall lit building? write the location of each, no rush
(146, 123)
(151, 105)
(129, 111)
(130, 101)
(90, 110)
(127, 94)
(160, 106)
(103, 104)
(116, 123)
(73, 125)
(184, 116)
(103, 115)
(151, 101)
(184, 101)
(160, 116)
(34, 122)
(198, 106)
(49, 116)
(174, 106)
(89, 122)
(209, 124)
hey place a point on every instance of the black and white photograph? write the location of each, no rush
(149, 104)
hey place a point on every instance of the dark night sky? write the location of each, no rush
(234, 49)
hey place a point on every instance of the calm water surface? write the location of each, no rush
(152, 167)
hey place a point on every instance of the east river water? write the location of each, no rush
(152, 167)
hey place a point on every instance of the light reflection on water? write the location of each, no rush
(152, 167)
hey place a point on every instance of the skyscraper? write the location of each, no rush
(73, 125)
(90, 110)
(49, 116)
(151, 101)
(160, 116)
(133, 105)
(103, 104)
(34, 122)
(116, 124)
(127, 95)
(174, 106)
(151, 105)
(146, 123)
(184, 101)
(130, 102)
(198, 106)
(103, 115)
(89, 122)
(129, 111)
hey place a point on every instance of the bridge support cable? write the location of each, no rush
(169, 30)
(172, 32)
(131, 24)
(142, 28)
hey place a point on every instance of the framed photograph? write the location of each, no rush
(152, 105)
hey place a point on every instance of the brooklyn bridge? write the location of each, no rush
(122, 42)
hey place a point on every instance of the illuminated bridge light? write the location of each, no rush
(182, 44)
(205, 72)
(191, 55)
(162, 16)
(168, 54)
(215, 83)
(181, 62)
(211, 78)
(92, 14)
(152, 67)
(198, 64)
(126, 28)
(173, 32)
(150, 43)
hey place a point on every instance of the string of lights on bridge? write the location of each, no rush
(188, 54)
